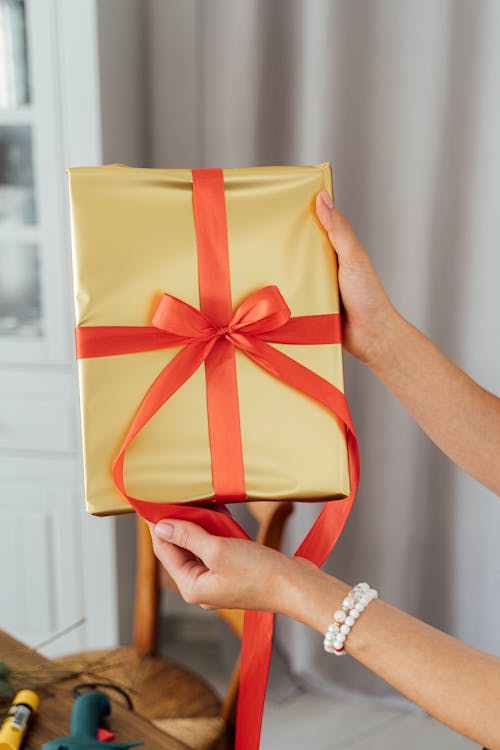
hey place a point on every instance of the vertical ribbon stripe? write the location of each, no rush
(214, 281)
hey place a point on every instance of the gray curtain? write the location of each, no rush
(403, 98)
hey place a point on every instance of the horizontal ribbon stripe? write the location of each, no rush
(103, 341)
(106, 341)
(210, 336)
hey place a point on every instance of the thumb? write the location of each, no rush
(184, 534)
(340, 233)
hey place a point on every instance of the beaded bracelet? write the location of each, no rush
(355, 602)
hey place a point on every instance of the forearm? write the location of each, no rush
(460, 416)
(453, 682)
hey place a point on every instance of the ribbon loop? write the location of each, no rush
(262, 311)
(176, 316)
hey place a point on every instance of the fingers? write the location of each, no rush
(183, 564)
(189, 536)
(175, 559)
(340, 233)
(218, 572)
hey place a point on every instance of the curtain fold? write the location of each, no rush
(402, 98)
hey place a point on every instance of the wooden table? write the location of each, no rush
(53, 717)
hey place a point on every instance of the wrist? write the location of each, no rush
(391, 331)
(309, 595)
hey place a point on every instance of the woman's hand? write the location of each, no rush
(219, 573)
(461, 418)
(453, 682)
(369, 315)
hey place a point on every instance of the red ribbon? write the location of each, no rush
(211, 335)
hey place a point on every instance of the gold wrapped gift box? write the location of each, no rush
(133, 239)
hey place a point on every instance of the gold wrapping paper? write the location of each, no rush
(133, 238)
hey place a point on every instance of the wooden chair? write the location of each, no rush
(177, 701)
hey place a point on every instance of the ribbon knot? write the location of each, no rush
(261, 312)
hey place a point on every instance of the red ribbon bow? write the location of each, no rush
(211, 335)
(261, 312)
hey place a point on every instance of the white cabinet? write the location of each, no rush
(41, 553)
(70, 94)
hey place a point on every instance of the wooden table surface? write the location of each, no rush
(52, 720)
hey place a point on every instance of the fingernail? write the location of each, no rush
(164, 531)
(326, 198)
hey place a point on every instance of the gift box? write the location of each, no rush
(209, 355)
(146, 280)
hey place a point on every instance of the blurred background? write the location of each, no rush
(402, 98)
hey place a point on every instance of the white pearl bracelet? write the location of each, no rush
(355, 602)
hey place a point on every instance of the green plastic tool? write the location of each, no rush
(86, 716)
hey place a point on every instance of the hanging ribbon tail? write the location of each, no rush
(256, 649)
(171, 378)
(299, 377)
(258, 632)
(258, 626)
(328, 527)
